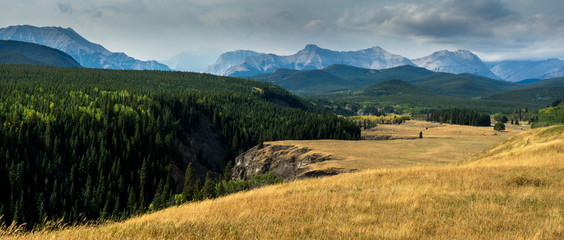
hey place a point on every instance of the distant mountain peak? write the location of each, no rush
(515, 70)
(86, 53)
(315, 57)
(377, 48)
(459, 61)
(311, 47)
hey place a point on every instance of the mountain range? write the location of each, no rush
(515, 71)
(16, 52)
(242, 63)
(247, 63)
(313, 57)
(86, 53)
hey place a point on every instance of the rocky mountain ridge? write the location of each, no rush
(88, 54)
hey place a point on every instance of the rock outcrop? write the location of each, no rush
(287, 162)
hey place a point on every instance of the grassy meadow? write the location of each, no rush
(441, 144)
(514, 189)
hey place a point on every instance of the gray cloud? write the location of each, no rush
(160, 29)
(64, 7)
(448, 21)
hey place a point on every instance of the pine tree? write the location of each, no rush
(188, 190)
(228, 172)
(208, 188)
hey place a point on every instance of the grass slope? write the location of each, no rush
(505, 193)
(16, 52)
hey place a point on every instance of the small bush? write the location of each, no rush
(522, 181)
(499, 126)
(260, 180)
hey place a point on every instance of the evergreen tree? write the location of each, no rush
(208, 188)
(189, 181)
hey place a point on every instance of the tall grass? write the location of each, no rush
(487, 198)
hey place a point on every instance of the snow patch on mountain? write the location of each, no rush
(515, 71)
(461, 61)
(228, 60)
(314, 57)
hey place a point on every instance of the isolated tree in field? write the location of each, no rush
(499, 126)
(188, 190)
(420, 134)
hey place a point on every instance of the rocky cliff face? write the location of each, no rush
(204, 150)
(287, 162)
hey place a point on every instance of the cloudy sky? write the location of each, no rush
(144, 29)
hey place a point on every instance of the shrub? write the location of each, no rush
(499, 126)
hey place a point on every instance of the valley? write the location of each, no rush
(396, 146)
(436, 119)
(502, 192)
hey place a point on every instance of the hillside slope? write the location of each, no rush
(29, 53)
(466, 201)
(539, 148)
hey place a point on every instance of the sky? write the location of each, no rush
(493, 29)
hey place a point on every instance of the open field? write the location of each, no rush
(441, 144)
(505, 192)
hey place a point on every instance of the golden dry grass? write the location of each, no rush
(491, 196)
(441, 144)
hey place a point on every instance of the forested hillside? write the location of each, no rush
(550, 116)
(84, 144)
(16, 52)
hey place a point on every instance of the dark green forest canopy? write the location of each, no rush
(97, 144)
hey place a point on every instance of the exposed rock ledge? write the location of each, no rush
(287, 162)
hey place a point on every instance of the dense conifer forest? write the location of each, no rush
(86, 144)
(460, 116)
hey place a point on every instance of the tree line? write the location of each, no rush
(460, 116)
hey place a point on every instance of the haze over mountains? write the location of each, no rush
(246, 63)
(242, 63)
(515, 71)
(86, 53)
(314, 57)
(461, 61)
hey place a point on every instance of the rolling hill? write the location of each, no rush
(16, 52)
(342, 77)
(340, 87)
(538, 96)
